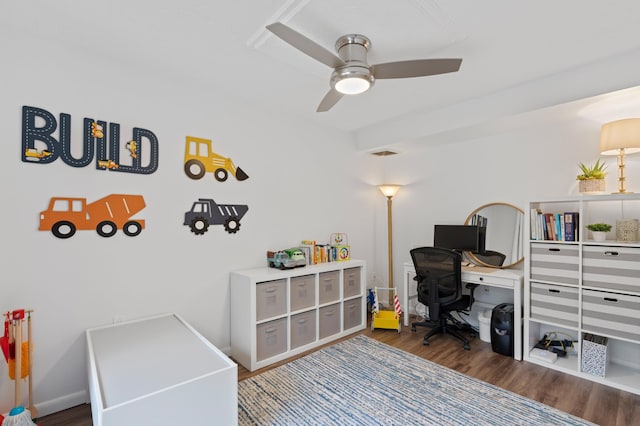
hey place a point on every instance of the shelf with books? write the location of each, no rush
(585, 287)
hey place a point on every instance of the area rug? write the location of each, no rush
(361, 381)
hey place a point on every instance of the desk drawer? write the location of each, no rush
(611, 314)
(554, 303)
(611, 268)
(479, 278)
(555, 262)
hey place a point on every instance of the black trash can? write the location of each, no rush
(502, 329)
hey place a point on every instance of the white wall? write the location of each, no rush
(305, 183)
(444, 183)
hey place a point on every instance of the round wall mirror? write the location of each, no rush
(504, 237)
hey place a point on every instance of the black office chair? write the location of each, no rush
(439, 277)
(490, 257)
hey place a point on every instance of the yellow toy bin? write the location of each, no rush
(385, 319)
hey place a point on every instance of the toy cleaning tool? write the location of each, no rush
(387, 319)
(20, 354)
(32, 408)
(18, 416)
(4, 339)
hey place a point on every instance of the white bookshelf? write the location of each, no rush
(587, 287)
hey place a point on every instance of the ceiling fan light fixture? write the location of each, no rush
(352, 85)
(352, 80)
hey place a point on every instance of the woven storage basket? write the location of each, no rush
(592, 185)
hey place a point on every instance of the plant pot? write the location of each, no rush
(592, 186)
(599, 235)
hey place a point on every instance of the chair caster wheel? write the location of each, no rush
(425, 342)
(467, 347)
(413, 328)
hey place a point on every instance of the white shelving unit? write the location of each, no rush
(587, 287)
(276, 314)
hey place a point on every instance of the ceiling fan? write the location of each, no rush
(351, 72)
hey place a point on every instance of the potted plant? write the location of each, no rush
(599, 230)
(591, 180)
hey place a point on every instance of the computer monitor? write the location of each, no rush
(460, 237)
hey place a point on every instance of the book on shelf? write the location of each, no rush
(308, 247)
(554, 226)
(571, 226)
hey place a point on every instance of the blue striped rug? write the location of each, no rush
(364, 382)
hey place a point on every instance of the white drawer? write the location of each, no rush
(612, 314)
(554, 303)
(555, 262)
(611, 268)
(476, 278)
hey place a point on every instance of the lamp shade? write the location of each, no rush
(620, 134)
(389, 190)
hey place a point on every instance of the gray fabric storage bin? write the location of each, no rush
(352, 311)
(303, 328)
(351, 282)
(270, 299)
(329, 290)
(302, 292)
(271, 338)
(329, 320)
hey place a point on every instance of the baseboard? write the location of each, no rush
(62, 403)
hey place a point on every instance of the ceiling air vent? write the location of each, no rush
(383, 153)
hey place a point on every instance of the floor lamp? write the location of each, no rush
(389, 190)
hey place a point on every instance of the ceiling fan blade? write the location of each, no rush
(305, 45)
(330, 99)
(416, 68)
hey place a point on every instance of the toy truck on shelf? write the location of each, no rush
(205, 212)
(106, 215)
(286, 259)
(199, 158)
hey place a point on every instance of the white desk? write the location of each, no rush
(512, 279)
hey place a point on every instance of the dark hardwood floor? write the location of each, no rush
(594, 402)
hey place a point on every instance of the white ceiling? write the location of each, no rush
(517, 56)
